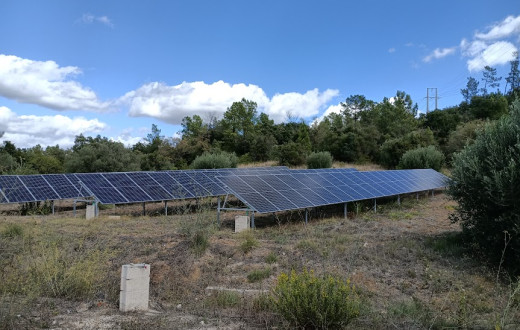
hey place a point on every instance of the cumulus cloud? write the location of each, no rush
(498, 53)
(494, 47)
(331, 109)
(172, 103)
(29, 130)
(439, 53)
(47, 84)
(509, 26)
(89, 19)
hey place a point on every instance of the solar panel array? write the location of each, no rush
(120, 187)
(281, 192)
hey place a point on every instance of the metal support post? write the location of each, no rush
(306, 215)
(165, 207)
(96, 209)
(52, 204)
(345, 214)
(417, 195)
(398, 199)
(144, 208)
(253, 219)
(218, 211)
(74, 209)
(375, 205)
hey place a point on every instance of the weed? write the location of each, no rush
(12, 230)
(271, 258)
(223, 299)
(249, 242)
(307, 301)
(258, 275)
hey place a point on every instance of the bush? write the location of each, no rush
(310, 302)
(220, 159)
(291, 153)
(425, 157)
(319, 160)
(12, 230)
(392, 150)
(485, 181)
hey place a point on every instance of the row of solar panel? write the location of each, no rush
(122, 187)
(281, 192)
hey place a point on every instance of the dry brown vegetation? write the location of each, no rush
(406, 262)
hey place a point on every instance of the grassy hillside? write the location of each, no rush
(405, 261)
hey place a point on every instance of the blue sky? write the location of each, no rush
(114, 68)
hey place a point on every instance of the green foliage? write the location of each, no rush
(12, 230)
(249, 242)
(291, 154)
(485, 181)
(197, 228)
(319, 160)
(219, 159)
(258, 275)
(100, 154)
(492, 107)
(424, 157)
(224, 299)
(307, 301)
(463, 135)
(392, 150)
(271, 258)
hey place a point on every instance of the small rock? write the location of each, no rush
(202, 323)
(179, 306)
(83, 307)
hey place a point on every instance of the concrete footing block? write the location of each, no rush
(135, 287)
(91, 212)
(242, 222)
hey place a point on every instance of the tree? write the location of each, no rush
(155, 151)
(491, 106)
(485, 181)
(99, 154)
(237, 126)
(513, 78)
(490, 79)
(471, 89)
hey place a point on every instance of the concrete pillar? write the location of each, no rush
(91, 211)
(135, 287)
(242, 223)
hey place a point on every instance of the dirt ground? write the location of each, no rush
(405, 261)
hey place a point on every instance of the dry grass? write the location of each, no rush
(406, 262)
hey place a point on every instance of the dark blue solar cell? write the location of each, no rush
(312, 196)
(171, 185)
(343, 195)
(189, 184)
(275, 182)
(259, 203)
(307, 181)
(108, 195)
(14, 190)
(236, 183)
(257, 183)
(328, 196)
(291, 181)
(93, 180)
(278, 200)
(296, 198)
(328, 179)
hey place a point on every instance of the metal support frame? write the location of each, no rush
(375, 205)
(165, 207)
(144, 208)
(52, 205)
(398, 199)
(306, 215)
(345, 213)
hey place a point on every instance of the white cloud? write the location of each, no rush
(439, 53)
(498, 53)
(172, 103)
(89, 19)
(508, 27)
(391, 50)
(331, 109)
(29, 130)
(46, 84)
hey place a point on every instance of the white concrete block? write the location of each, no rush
(135, 287)
(91, 212)
(242, 222)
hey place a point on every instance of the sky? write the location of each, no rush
(114, 68)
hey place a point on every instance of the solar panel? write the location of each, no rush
(14, 191)
(304, 188)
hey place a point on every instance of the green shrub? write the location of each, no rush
(485, 183)
(425, 157)
(258, 275)
(220, 159)
(249, 242)
(292, 153)
(310, 302)
(392, 150)
(271, 258)
(319, 160)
